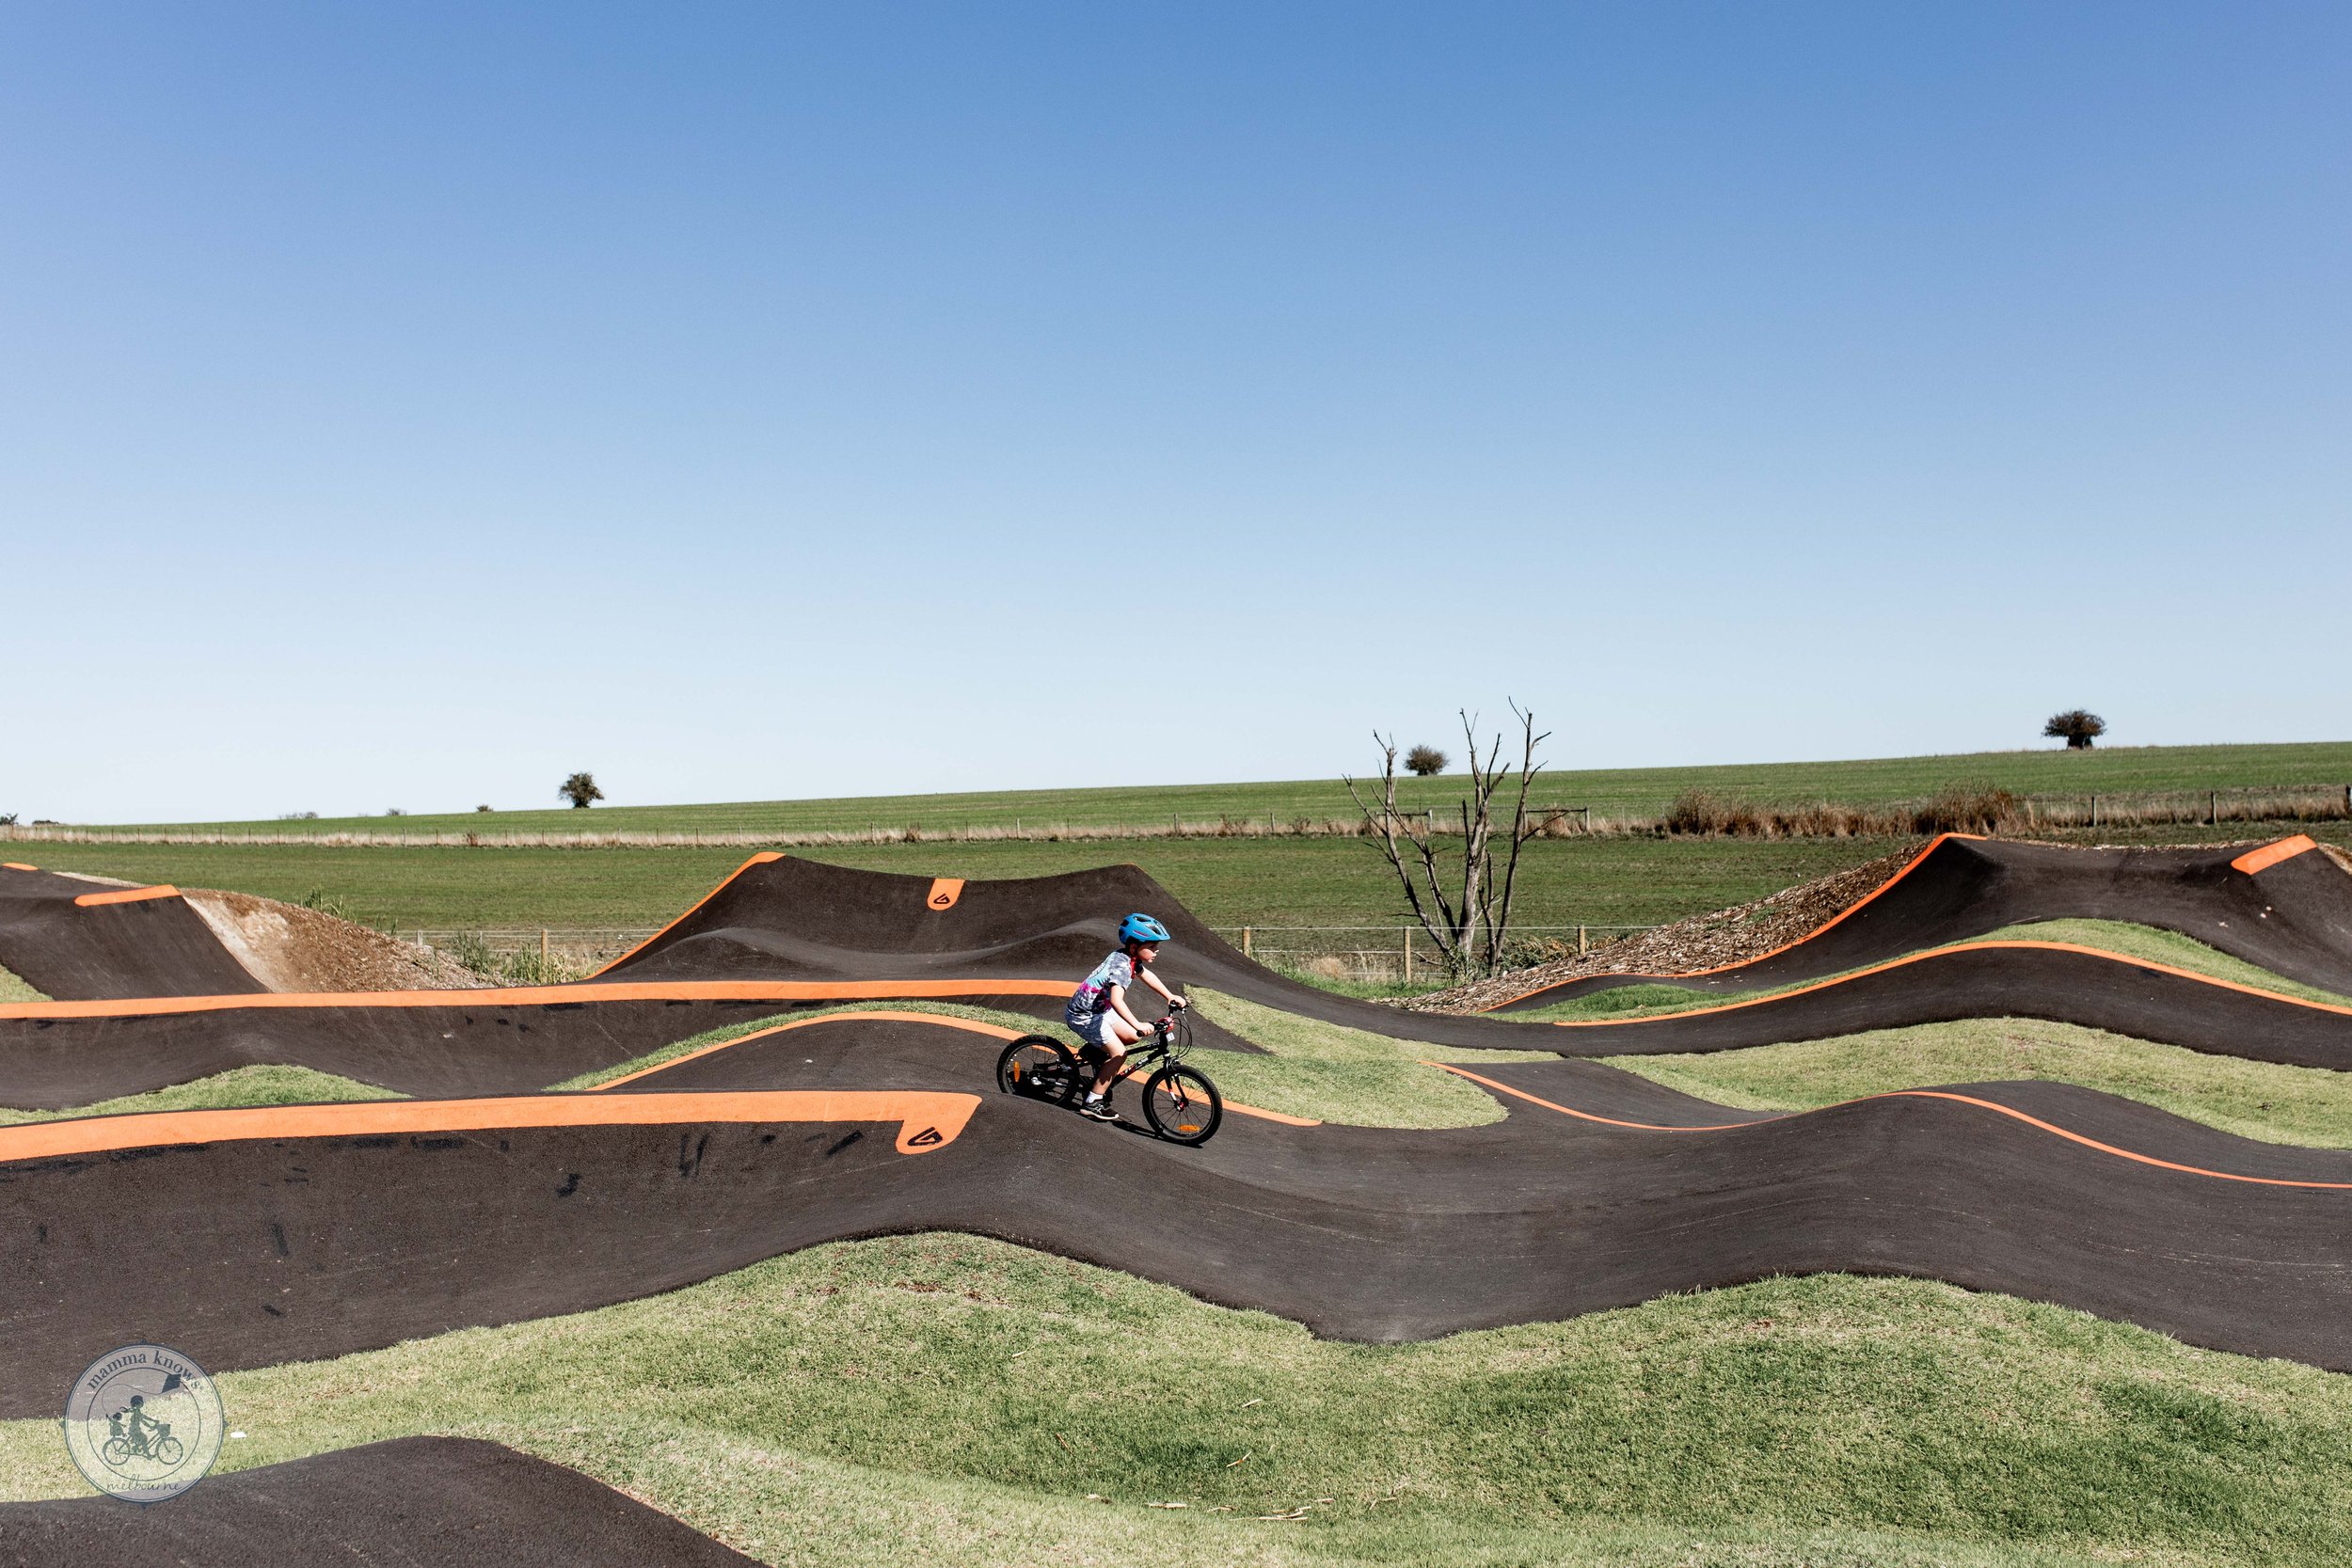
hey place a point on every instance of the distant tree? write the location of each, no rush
(8, 819)
(1426, 761)
(481, 808)
(2079, 727)
(581, 789)
(394, 810)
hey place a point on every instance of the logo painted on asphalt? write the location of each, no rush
(144, 1424)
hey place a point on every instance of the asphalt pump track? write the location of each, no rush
(294, 1234)
(68, 937)
(787, 933)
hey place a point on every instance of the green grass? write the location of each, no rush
(1642, 790)
(245, 1086)
(940, 1399)
(2253, 1099)
(2164, 948)
(1320, 1071)
(1227, 882)
(1337, 1074)
(1022, 1022)
(14, 989)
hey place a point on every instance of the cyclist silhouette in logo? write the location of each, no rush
(133, 1427)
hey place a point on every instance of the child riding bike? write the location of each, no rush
(1098, 1010)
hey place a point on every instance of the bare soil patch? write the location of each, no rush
(289, 949)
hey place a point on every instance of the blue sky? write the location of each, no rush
(405, 405)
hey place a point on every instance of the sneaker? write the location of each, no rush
(1099, 1108)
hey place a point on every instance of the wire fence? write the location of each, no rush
(1695, 811)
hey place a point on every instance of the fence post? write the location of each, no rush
(543, 955)
(1405, 935)
(2095, 811)
(1244, 942)
(1579, 942)
(2212, 809)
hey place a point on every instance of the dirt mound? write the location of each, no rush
(289, 948)
(1711, 941)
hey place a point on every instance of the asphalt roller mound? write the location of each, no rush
(784, 933)
(2284, 907)
(74, 939)
(276, 1242)
(411, 1500)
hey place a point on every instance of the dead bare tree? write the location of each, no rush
(1470, 925)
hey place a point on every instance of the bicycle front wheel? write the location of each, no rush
(169, 1451)
(1038, 1067)
(1182, 1105)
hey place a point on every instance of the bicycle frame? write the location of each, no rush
(1152, 1051)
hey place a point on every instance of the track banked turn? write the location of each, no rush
(2284, 907)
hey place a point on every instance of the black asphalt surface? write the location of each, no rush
(413, 1502)
(2293, 918)
(247, 1253)
(71, 951)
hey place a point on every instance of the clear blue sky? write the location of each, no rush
(405, 404)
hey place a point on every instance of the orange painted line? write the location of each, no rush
(974, 1026)
(1923, 957)
(527, 996)
(1994, 1106)
(969, 1024)
(1910, 865)
(760, 859)
(17, 866)
(926, 1120)
(2260, 859)
(943, 894)
(1239, 1109)
(128, 895)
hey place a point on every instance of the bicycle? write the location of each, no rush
(155, 1442)
(1179, 1101)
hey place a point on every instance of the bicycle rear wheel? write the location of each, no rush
(1182, 1105)
(1040, 1067)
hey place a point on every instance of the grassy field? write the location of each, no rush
(1231, 882)
(2253, 1099)
(942, 1398)
(1610, 791)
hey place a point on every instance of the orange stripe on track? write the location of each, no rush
(2255, 861)
(973, 1024)
(1850, 909)
(968, 1024)
(1994, 1106)
(17, 866)
(760, 859)
(943, 894)
(529, 996)
(128, 895)
(1945, 952)
(927, 1120)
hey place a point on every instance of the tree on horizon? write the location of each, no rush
(2079, 727)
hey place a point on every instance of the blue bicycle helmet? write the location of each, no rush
(1142, 928)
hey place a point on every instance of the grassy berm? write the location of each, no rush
(944, 1399)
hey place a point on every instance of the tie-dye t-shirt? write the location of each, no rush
(1093, 996)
